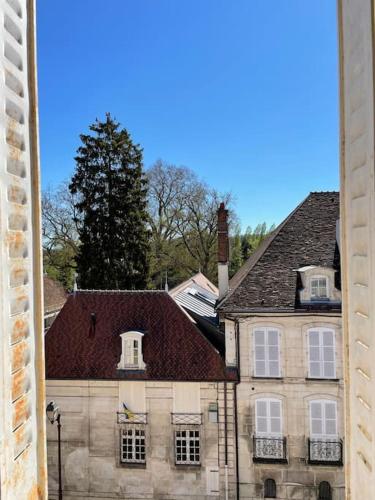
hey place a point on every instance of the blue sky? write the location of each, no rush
(244, 92)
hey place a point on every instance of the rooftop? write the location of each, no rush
(269, 280)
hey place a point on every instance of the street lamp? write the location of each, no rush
(53, 415)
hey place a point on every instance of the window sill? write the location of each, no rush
(318, 379)
(257, 377)
(325, 463)
(130, 465)
(258, 460)
(188, 467)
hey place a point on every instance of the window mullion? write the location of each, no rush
(266, 351)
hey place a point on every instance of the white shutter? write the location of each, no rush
(316, 418)
(275, 417)
(260, 353)
(321, 353)
(273, 353)
(330, 420)
(323, 418)
(266, 352)
(213, 485)
(268, 417)
(261, 416)
(328, 353)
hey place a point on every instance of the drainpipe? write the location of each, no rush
(226, 440)
(237, 338)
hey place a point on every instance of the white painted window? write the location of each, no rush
(187, 446)
(266, 352)
(319, 287)
(321, 347)
(323, 419)
(131, 355)
(268, 417)
(133, 444)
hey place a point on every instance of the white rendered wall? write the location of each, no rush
(22, 417)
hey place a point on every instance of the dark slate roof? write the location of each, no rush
(269, 280)
(173, 347)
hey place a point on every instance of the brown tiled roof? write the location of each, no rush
(268, 280)
(54, 295)
(173, 348)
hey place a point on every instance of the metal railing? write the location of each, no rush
(325, 451)
(186, 418)
(269, 449)
(128, 417)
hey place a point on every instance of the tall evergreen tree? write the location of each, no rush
(112, 204)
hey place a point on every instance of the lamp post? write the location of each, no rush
(54, 415)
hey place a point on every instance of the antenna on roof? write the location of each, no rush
(166, 287)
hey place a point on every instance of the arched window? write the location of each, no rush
(325, 491)
(269, 488)
(131, 355)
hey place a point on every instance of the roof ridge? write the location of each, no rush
(266, 243)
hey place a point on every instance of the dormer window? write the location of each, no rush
(319, 288)
(131, 355)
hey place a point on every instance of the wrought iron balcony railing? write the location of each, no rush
(325, 451)
(269, 449)
(128, 417)
(186, 418)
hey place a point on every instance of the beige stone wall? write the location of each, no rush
(356, 22)
(90, 435)
(297, 479)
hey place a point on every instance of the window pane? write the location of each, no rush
(316, 427)
(260, 352)
(329, 370)
(259, 337)
(261, 408)
(314, 338)
(328, 353)
(260, 368)
(273, 353)
(331, 427)
(275, 409)
(262, 424)
(273, 337)
(275, 425)
(328, 338)
(316, 410)
(314, 353)
(330, 410)
(314, 369)
(274, 370)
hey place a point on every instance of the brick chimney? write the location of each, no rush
(222, 250)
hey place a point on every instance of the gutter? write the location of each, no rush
(237, 337)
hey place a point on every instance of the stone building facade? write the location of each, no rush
(282, 319)
(146, 401)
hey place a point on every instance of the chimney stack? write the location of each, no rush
(222, 250)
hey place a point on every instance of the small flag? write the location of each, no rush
(128, 413)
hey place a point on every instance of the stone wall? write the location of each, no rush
(90, 442)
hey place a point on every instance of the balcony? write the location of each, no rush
(269, 449)
(325, 451)
(127, 417)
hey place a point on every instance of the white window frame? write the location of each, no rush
(319, 277)
(268, 432)
(137, 444)
(321, 330)
(265, 330)
(323, 435)
(190, 440)
(129, 340)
